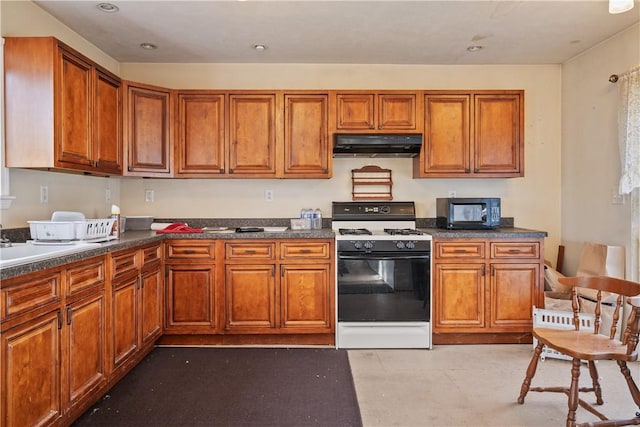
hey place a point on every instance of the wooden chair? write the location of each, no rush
(592, 346)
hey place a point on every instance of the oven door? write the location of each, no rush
(383, 287)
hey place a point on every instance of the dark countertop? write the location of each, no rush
(498, 233)
(131, 239)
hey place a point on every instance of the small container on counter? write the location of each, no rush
(317, 219)
(117, 226)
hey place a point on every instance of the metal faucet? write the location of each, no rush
(4, 241)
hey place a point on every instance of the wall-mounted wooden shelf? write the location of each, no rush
(371, 183)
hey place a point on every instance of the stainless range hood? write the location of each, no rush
(380, 145)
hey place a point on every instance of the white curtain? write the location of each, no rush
(629, 140)
(629, 129)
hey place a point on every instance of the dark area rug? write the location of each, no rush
(180, 386)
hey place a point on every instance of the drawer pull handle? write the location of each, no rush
(189, 251)
(249, 251)
(514, 251)
(460, 251)
(305, 251)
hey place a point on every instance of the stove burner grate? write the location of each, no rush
(403, 231)
(354, 231)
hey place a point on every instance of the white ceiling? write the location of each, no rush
(358, 32)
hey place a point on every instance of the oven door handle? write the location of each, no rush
(382, 257)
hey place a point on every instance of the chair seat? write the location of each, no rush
(584, 345)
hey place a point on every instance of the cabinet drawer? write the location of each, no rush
(123, 263)
(29, 292)
(305, 250)
(84, 275)
(466, 250)
(151, 253)
(515, 250)
(191, 250)
(250, 250)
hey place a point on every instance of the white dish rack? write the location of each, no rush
(86, 230)
(555, 319)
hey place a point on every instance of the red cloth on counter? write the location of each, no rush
(178, 227)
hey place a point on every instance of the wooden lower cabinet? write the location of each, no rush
(250, 297)
(284, 287)
(190, 287)
(136, 305)
(249, 291)
(85, 343)
(304, 296)
(484, 289)
(54, 339)
(31, 372)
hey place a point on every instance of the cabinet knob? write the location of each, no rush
(372, 127)
(381, 127)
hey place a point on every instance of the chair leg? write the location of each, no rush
(531, 371)
(593, 371)
(573, 392)
(633, 388)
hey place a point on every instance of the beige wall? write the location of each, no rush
(533, 200)
(591, 162)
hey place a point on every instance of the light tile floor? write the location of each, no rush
(474, 385)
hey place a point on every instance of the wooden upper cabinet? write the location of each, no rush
(252, 134)
(499, 135)
(75, 123)
(147, 118)
(306, 144)
(200, 140)
(472, 134)
(107, 122)
(74, 112)
(446, 147)
(377, 112)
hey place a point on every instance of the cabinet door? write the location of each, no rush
(30, 358)
(250, 297)
(201, 134)
(498, 135)
(514, 291)
(306, 146)
(124, 318)
(304, 296)
(190, 298)
(73, 112)
(148, 136)
(151, 303)
(107, 122)
(446, 135)
(355, 111)
(397, 112)
(85, 340)
(252, 134)
(459, 297)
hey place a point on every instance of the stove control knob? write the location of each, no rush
(411, 245)
(357, 245)
(368, 244)
(400, 245)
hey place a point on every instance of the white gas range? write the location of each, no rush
(383, 276)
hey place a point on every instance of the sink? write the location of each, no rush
(23, 253)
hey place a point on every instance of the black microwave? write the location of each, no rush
(468, 213)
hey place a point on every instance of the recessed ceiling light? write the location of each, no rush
(475, 48)
(148, 46)
(260, 47)
(108, 7)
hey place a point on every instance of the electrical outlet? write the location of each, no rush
(44, 194)
(268, 195)
(107, 195)
(451, 193)
(148, 196)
